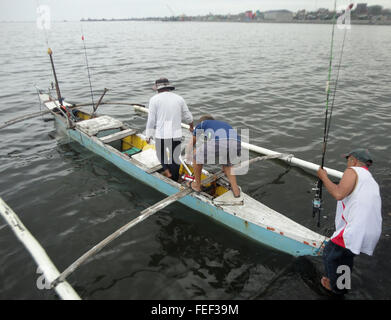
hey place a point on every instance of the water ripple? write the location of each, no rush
(268, 78)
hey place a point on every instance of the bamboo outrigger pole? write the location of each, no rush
(144, 215)
(95, 107)
(291, 160)
(138, 107)
(64, 110)
(64, 290)
(50, 53)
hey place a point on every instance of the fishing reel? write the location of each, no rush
(317, 201)
(187, 177)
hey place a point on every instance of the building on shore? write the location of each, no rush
(361, 9)
(249, 15)
(361, 14)
(278, 15)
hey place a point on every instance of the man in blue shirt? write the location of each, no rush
(216, 142)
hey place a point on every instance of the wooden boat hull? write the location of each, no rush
(261, 229)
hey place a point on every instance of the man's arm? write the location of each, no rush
(151, 122)
(345, 186)
(189, 152)
(187, 116)
(191, 129)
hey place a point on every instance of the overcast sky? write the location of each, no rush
(25, 10)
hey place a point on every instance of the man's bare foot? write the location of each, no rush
(236, 192)
(325, 283)
(167, 173)
(192, 184)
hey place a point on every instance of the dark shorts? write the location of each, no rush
(223, 152)
(168, 152)
(335, 256)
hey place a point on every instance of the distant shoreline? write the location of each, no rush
(352, 22)
(316, 21)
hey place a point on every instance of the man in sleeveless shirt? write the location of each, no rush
(358, 219)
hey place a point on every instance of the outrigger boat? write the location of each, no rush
(128, 149)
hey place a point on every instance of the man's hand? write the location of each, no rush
(322, 174)
(191, 128)
(345, 186)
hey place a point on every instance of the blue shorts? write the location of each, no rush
(224, 152)
(333, 257)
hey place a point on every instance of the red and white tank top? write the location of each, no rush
(358, 219)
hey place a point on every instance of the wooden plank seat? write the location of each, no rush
(95, 125)
(117, 136)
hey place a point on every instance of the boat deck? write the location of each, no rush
(261, 215)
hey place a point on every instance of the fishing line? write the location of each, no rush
(328, 122)
(325, 133)
(317, 201)
(44, 27)
(335, 89)
(88, 68)
(40, 103)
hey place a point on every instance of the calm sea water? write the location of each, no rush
(269, 78)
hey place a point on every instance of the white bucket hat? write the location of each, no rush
(162, 83)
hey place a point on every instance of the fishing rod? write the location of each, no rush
(64, 109)
(335, 89)
(60, 100)
(317, 201)
(43, 23)
(88, 68)
(94, 106)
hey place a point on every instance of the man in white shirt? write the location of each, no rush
(166, 112)
(358, 219)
